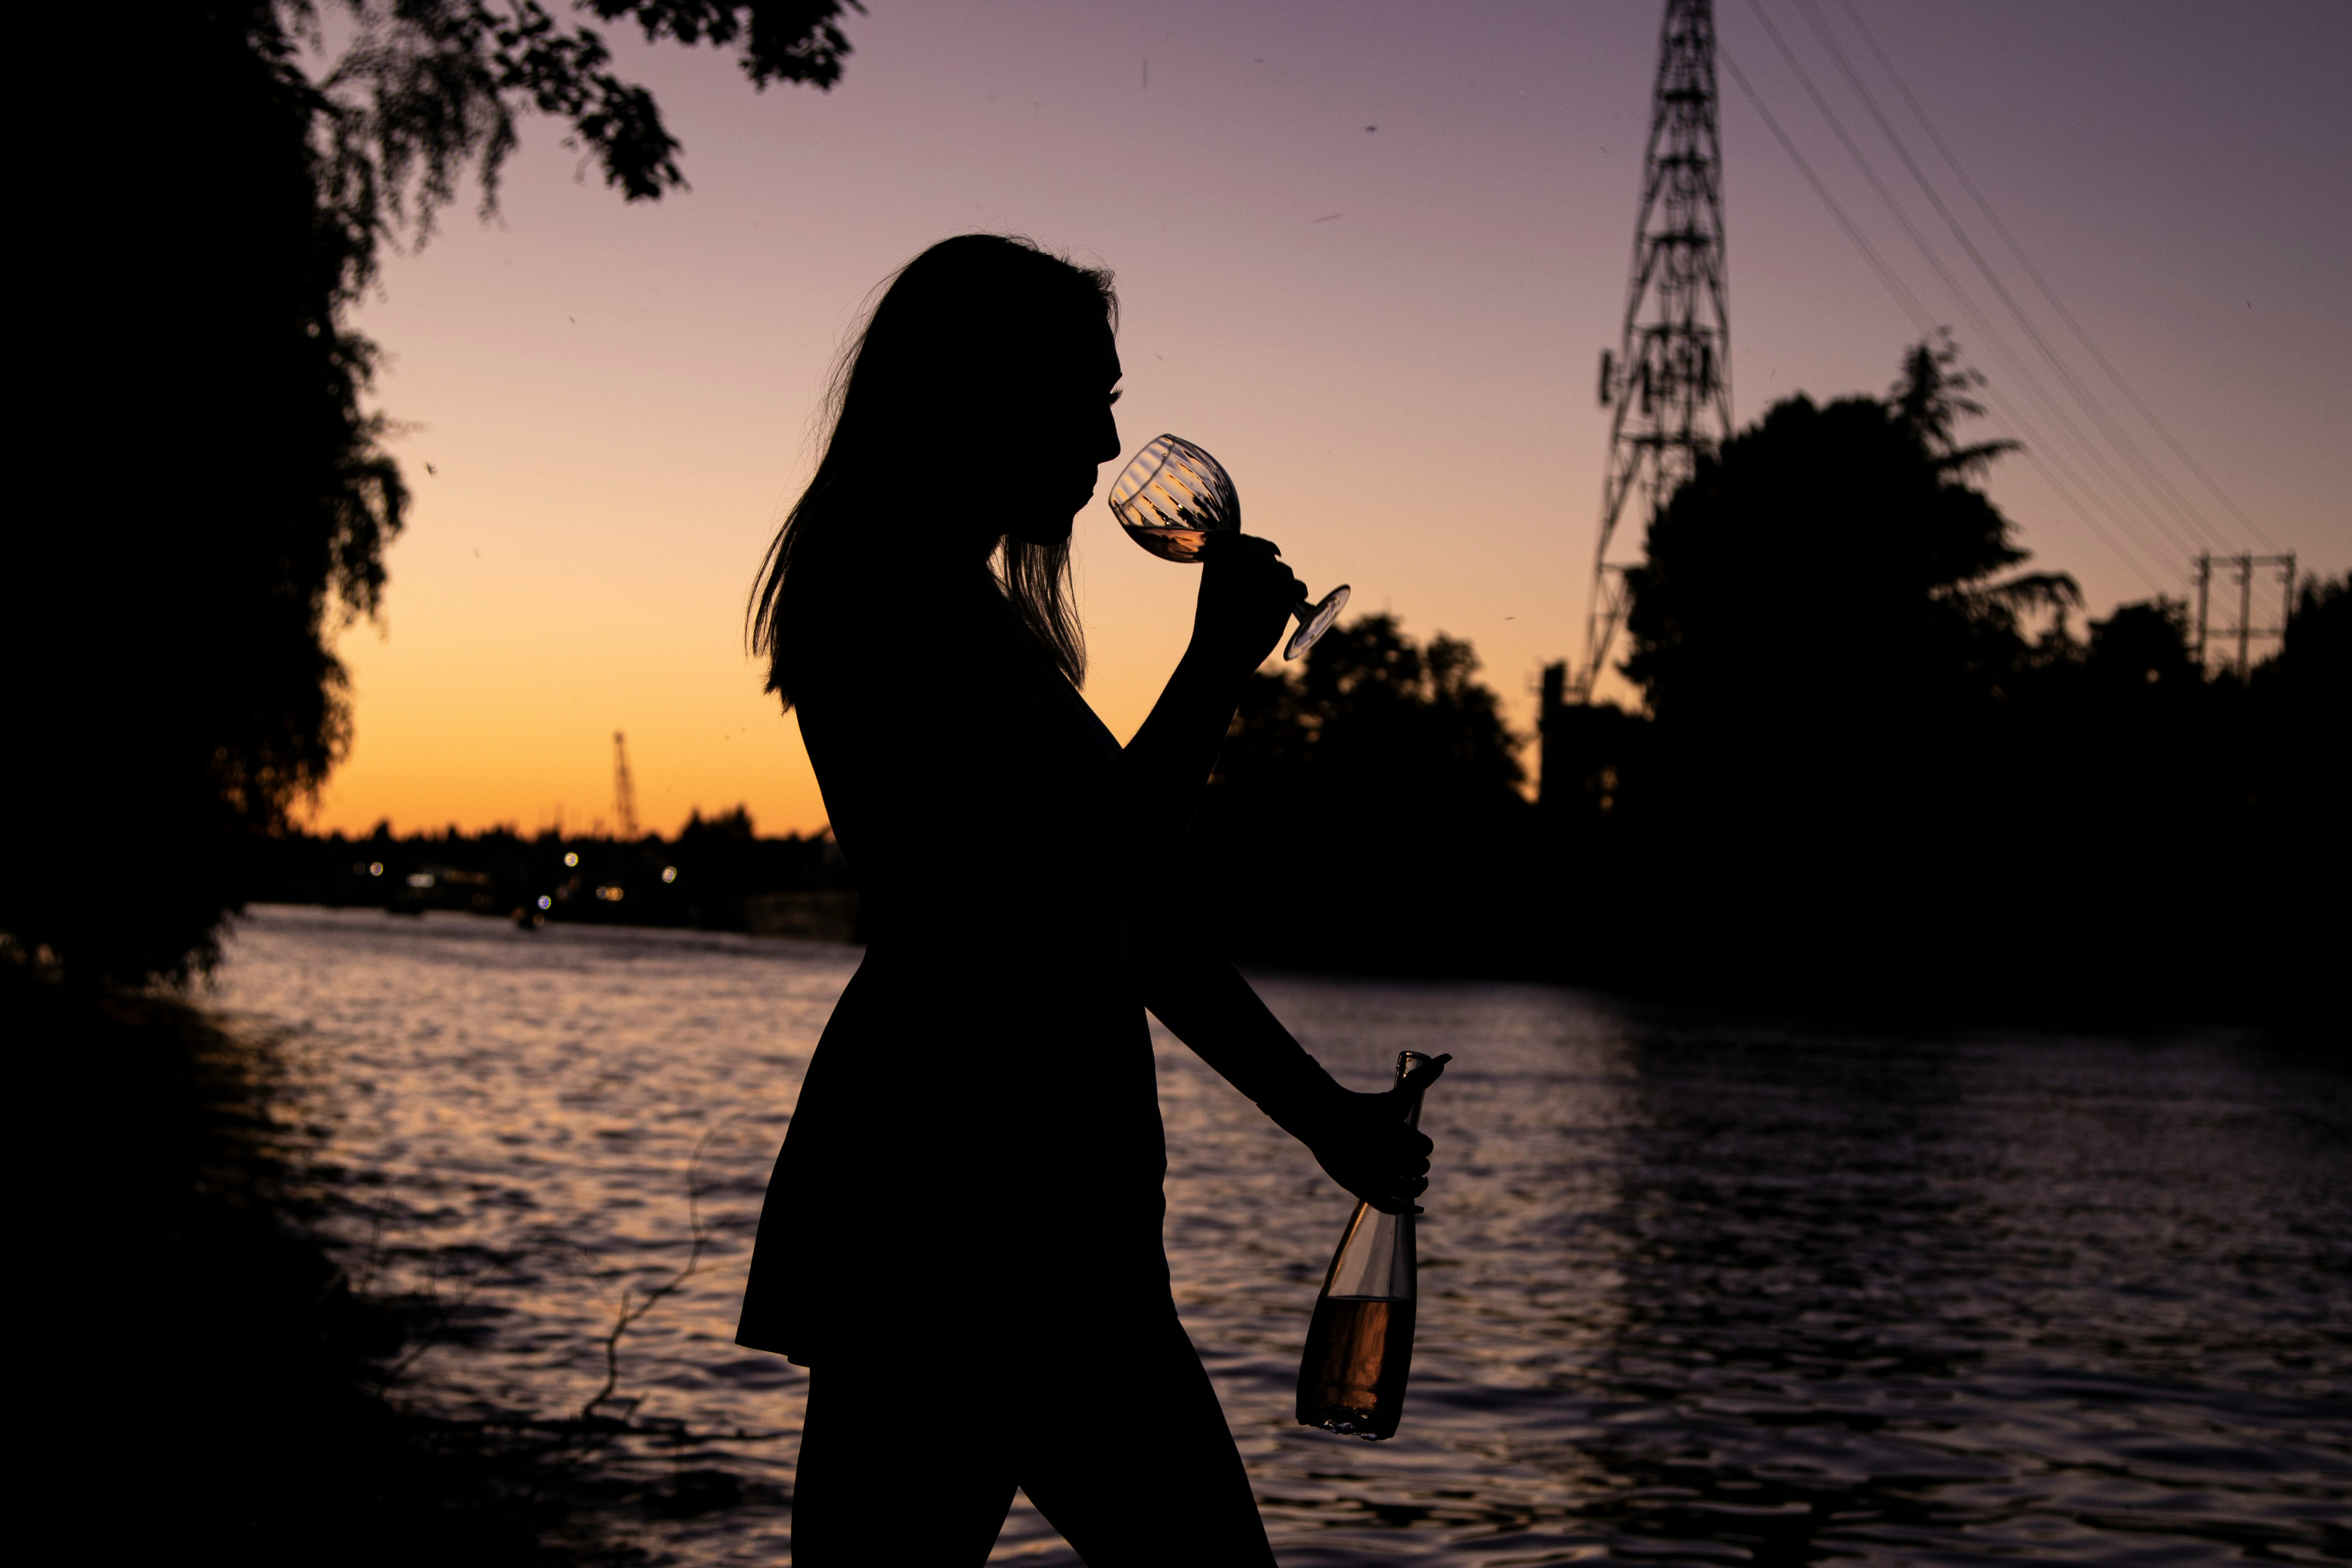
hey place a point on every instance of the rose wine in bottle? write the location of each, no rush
(1360, 1345)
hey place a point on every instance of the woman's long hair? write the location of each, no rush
(950, 339)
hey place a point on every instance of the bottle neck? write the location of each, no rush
(1406, 1062)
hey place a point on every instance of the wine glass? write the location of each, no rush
(1174, 495)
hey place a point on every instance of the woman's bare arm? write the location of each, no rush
(1359, 1138)
(1246, 595)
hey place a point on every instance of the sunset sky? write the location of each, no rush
(1368, 255)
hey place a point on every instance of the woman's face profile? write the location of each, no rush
(1061, 431)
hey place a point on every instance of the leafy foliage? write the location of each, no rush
(1356, 797)
(1823, 531)
(428, 89)
(1878, 765)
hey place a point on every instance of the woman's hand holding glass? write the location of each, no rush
(1246, 597)
(1176, 501)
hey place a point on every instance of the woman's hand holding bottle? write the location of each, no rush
(1363, 1141)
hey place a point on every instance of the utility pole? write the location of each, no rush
(2245, 631)
(2204, 591)
(1669, 380)
(624, 794)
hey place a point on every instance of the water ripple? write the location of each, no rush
(1694, 1292)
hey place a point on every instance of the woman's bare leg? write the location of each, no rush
(883, 1477)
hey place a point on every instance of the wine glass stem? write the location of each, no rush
(1303, 611)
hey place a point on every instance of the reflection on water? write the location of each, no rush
(1690, 1292)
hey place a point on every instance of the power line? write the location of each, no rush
(1935, 264)
(2157, 485)
(2048, 294)
(1925, 323)
(1961, 294)
(1920, 320)
(2043, 455)
(2154, 584)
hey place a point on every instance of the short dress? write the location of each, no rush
(974, 1167)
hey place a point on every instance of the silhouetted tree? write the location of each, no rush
(2314, 668)
(2301, 782)
(1821, 531)
(1869, 777)
(1365, 811)
(1830, 632)
(2142, 650)
(207, 496)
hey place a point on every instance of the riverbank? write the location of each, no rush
(208, 1380)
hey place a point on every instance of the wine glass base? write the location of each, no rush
(1316, 621)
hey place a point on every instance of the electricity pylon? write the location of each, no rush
(624, 794)
(1669, 381)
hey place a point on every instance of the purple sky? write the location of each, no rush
(616, 400)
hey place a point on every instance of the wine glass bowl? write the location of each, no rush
(1174, 495)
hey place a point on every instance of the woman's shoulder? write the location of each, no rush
(929, 637)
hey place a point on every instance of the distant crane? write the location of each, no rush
(1669, 381)
(624, 794)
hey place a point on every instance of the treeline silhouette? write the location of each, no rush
(1877, 768)
(1367, 812)
(1880, 766)
(704, 878)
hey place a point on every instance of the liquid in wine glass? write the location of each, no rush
(1360, 1345)
(1173, 496)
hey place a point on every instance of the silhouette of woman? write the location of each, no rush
(961, 1239)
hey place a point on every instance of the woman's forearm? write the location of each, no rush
(1165, 768)
(1246, 597)
(1361, 1141)
(1195, 990)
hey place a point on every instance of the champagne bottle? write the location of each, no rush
(1360, 1345)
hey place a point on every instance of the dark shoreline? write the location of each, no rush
(218, 1383)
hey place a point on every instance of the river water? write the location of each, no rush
(1692, 1290)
